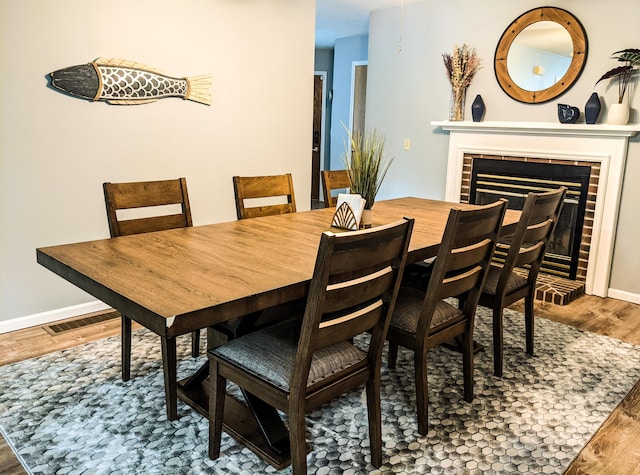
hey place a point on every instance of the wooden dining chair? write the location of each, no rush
(423, 320)
(526, 250)
(334, 180)
(261, 191)
(251, 188)
(145, 198)
(301, 364)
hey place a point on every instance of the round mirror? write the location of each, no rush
(540, 55)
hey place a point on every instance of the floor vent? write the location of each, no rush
(80, 322)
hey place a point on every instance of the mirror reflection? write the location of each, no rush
(539, 56)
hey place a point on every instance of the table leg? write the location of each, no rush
(169, 365)
(271, 426)
(126, 347)
(256, 425)
(456, 345)
(269, 423)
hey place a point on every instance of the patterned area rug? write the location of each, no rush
(70, 413)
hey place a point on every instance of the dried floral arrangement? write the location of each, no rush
(461, 66)
(631, 59)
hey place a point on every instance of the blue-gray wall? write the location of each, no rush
(347, 50)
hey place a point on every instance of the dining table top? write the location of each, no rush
(216, 272)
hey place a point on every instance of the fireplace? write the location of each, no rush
(600, 147)
(492, 177)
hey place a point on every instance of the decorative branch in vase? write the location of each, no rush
(619, 112)
(461, 67)
(367, 166)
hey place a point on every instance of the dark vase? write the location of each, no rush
(477, 108)
(592, 109)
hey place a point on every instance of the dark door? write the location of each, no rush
(316, 136)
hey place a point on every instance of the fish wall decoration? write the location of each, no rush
(119, 81)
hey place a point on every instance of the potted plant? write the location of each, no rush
(619, 112)
(367, 166)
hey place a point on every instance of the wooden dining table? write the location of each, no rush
(176, 281)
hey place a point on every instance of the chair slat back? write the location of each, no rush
(354, 287)
(256, 187)
(334, 180)
(463, 259)
(145, 196)
(539, 218)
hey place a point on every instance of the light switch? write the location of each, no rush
(407, 144)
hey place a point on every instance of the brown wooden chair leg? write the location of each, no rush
(375, 422)
(467, 365)
(297, 436)
(393, 355)
(422, 398)
(528, 321)
(126, 348)
(195, 343)
(498, 350)
(217, 396)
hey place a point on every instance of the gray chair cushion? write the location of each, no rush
(409, 305)
(270, 354)
(493, 275)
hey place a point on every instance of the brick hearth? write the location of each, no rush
(556, 290)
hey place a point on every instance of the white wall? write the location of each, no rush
(408, 90)
(56, 151)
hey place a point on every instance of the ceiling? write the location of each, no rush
(342, 18)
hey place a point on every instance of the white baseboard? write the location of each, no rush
(623, 295)
(51, 316)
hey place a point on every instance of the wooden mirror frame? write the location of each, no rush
(578, 60)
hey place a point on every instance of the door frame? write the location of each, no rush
(354, 65)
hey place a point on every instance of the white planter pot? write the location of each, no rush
(618, 114)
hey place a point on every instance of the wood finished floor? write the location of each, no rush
(614, 449)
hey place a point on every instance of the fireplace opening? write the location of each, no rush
(514, 179)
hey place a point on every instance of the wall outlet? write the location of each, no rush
(407, 144)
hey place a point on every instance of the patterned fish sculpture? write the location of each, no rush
(119, 81)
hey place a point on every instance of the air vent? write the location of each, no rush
(80, 322)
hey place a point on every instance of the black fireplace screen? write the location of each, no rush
(513, 180)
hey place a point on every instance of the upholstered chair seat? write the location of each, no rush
(409, 305)
(270, 355)
(493, 275)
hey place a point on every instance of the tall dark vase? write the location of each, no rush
(592, 109)
(477, 109)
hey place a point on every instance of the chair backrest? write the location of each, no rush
(529, 242)
(463, 259)
(256, 187)
(146, 194)
(334, 180)
(353, 290)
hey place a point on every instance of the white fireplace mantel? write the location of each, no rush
(603, 144)
(540, 128)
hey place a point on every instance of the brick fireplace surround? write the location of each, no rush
(602, 147)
